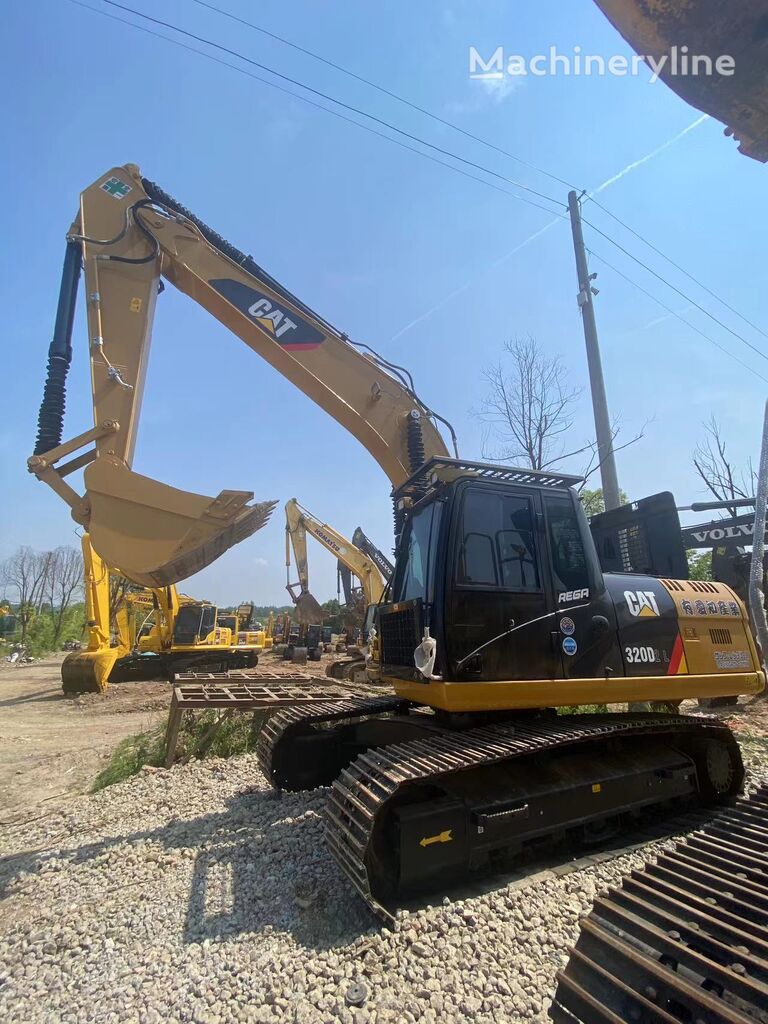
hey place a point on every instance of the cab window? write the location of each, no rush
(420, 540)
(497, 546)
(569, 562)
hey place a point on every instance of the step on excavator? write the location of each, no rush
(499, 613)
(299, 522)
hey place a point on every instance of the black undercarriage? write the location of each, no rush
(419, 801)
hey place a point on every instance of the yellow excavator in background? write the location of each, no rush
(499, 611)
(7, 621)
(299, 522)
(151, 634)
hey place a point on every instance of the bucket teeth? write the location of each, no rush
(157, 535)
(200, 547)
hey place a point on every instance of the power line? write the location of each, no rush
(677, 315)
(418, 152)
(312, 103)
(475, 138)
(332, 99)
(386, 92)
(677, 266)
(674, 288)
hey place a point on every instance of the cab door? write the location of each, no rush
(498, 580)
(584, 628)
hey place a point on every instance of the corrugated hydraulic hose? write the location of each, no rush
(50, 420)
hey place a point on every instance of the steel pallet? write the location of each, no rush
(237, 692)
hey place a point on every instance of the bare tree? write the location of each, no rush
(530, 411)
(530, 406)
(714, 466)
(64, 582)
(26, 572)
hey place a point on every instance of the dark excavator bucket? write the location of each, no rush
(157, 535)
(88, 671)
(308, 610)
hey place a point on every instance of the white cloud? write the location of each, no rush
(261, 562)
(483, 91)
(500, 89)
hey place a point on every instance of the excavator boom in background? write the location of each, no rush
(298, 522)
(498, 613)
(353, 561)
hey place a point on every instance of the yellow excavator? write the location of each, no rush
(152, 633)
(354, 595)
(499, 612)
(299, 522)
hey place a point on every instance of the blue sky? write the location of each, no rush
(372, 237)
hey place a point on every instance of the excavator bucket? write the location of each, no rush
(157, 535)
(88, 671)
(308, 610)
(670, 30)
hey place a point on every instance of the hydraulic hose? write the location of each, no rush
(50, 420)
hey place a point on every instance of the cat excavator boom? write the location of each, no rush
(128, 235)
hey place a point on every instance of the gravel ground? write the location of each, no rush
(196, 895)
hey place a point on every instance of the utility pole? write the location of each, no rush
(596, 383)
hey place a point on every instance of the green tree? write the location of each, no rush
(593, 501)
(699, 565)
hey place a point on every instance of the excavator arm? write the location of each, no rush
(299, 522)
(366, 545)
(128, 235)
(89, 670)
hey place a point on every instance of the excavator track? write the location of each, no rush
(403, 815)
(280, 730)
(685, 939)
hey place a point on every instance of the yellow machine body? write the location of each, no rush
(89, 670)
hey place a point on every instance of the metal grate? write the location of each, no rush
(702, 587)
(400, 634)
(430, 472)
(633, 548)
(720, 636)
(237, 692)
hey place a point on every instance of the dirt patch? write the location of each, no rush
(52, 746)
(749, 716)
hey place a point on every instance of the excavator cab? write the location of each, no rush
(483, 553)
(194, 624)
